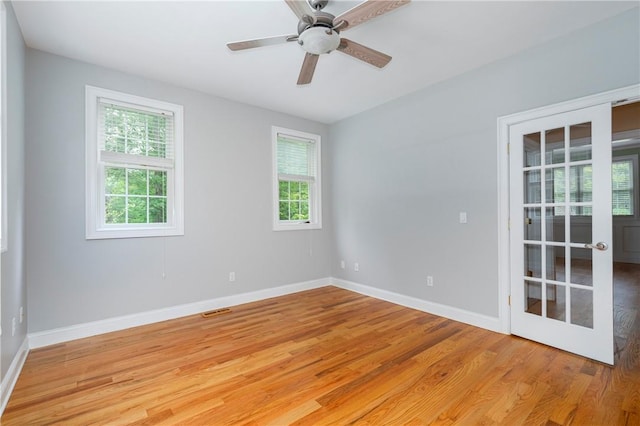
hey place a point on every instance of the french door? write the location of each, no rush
(561, 230)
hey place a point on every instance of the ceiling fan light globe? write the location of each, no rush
(319, 40)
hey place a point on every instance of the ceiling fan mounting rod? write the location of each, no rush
(318, 4)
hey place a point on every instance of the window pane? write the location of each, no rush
(157, 210)
(294, 200)
(580, 226)
(580, 144)
(533, 261)
(114, 130)
(284, 210)
(581, 266)
(581, 184)
(582, 307)
(115, 210)
(555, 228)
(295, 210)
(284, 190)
(136, 132)
(295, 190)
(137, 182)
(533, 297)
(554, 146)
(532, 187)
(304, 191)
(532, 228)
(137, 210)
(115, 180)
(157, 182)
(556, 302)
(622, 203)
(558, 185)
(134, 186)
(296, 157)
(531, 149)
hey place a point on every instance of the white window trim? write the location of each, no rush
(315, 194)
(95, 227)
(4, 240)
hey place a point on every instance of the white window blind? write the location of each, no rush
(129, 135)
(296, 158)
(622, 187)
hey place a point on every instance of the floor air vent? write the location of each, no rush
(210, 314)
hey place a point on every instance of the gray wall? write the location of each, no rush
(13, 282)
(403, 172)
(228, 223)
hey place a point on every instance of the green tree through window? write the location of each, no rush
(135, 195)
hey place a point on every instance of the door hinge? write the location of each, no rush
(509, 300)
(509, 224)
(508, 148)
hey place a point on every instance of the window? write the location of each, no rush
(580, 187)
(622, 187)
(296, 183)
(134, 166)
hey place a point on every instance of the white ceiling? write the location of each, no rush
(184, 43)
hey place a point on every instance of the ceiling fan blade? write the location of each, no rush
(366, 11)
(261, 42)
(308, 67)
(301, 8)
(363, 53)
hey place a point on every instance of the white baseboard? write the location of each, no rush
(79, 331)
(10, 379)
(456, 314)
(65, 334)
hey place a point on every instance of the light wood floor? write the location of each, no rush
(322, 357)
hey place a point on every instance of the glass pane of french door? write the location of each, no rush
(561, 289)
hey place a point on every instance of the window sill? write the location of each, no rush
(296, 226)
(111, 233)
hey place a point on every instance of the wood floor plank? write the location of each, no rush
(320, 357)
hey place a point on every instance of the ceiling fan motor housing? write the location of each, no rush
(319, 37)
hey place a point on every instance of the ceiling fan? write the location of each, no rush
(319, 33)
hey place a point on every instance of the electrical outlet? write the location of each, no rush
(342, 264)
(232, 277)
(430, 281)
(356, 266)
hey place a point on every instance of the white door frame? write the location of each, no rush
(504, 287)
